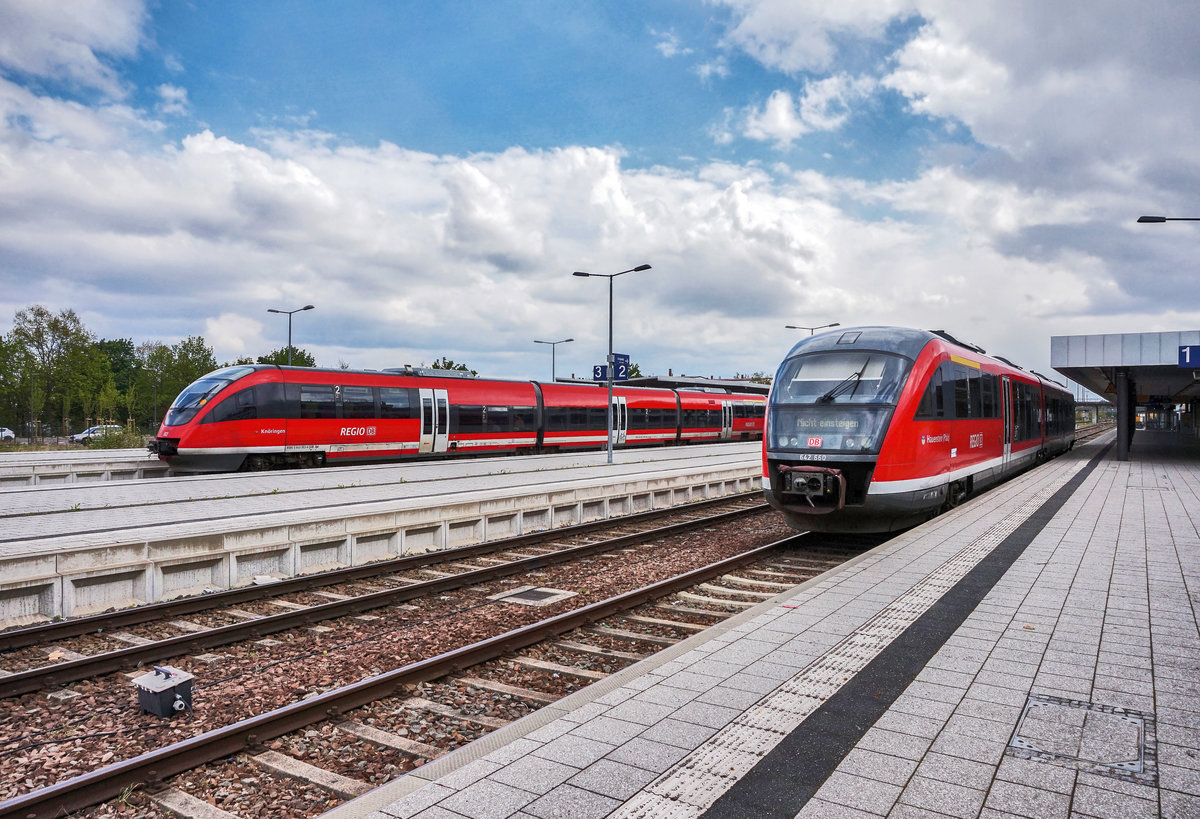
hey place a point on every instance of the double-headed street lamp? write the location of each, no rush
(812, 330)
(609, 369)
(289, 313)
(553, 345)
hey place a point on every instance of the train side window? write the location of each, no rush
(396, 402)
(269, 398)
(238, 407)
(933, 404)
(962, 392)
(467, 418)
(496, 419)
(987, 390)
(358, 402)
(524, 418)
(317, 401)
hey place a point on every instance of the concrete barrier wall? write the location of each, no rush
(75, 579)
(32, 470)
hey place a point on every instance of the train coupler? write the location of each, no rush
(823, 488)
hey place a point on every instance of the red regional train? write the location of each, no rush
(258, 417)
(875, 429)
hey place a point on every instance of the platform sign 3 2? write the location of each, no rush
(1189, 356)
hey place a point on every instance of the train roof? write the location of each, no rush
(903, 341)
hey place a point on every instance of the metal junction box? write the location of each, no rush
(164, 691)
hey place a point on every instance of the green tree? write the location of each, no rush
(55, 346)
(300, 357)
(444, 363)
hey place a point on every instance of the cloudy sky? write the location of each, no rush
(429, 175)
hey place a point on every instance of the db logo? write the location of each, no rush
(814, 443)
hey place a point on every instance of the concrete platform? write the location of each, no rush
(79, 549)
(1033, 653)
(78, 466)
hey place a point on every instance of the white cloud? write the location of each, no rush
(791, 37)
(67, 41)
(824, 106)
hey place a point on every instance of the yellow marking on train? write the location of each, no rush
(966, 362)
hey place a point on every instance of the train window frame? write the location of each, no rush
(239, 406)
(391, 409)
(348, 408)
(311, 405)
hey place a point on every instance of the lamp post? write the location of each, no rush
(289, 313)
(1155, 219)
(553, 346)
(812, 330)
(609, 368)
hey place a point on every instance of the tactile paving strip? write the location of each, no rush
(699, 779)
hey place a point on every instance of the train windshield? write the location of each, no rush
(835, 401)
(196, 395)
(841, 378)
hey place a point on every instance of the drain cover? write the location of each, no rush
(533, 596)
(1100, 739)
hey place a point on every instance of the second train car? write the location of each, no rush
(876, 429)
(256, 417)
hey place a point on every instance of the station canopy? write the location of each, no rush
(1151, 360)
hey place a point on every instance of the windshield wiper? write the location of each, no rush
(840, 387)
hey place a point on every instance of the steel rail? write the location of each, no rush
(152, 767)
(24, 682)
(78, 626)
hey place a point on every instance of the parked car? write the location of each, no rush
(7, 434)
(88, 434)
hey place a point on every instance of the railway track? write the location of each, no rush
(329, 747)
(426, 631)
(95, 654)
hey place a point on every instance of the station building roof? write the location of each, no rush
(1152, 361)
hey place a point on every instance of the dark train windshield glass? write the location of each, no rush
(815, 429)
(841, 378)
(196, 395)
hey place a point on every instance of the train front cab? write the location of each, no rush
(829, 411)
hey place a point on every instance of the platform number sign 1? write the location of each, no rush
(1189, 356)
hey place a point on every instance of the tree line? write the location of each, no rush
(57, 377)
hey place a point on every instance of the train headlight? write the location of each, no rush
(793, 442)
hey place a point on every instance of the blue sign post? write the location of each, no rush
(1189, 356)
(599, 372)
(620, 367)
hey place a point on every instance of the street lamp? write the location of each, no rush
(553, 346)
(1155, 219)
(812, 330)
(609, 368)
(289, 313)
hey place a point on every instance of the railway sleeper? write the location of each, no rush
(657, 621)
(716, 601)
(653, 639)
(597, 651)
(521, 661)
(711, 587)
(387, 739)
(539, 697)
(422, 704)
(181, 803)
(293, 768)
(717, 615)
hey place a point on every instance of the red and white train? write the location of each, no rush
(261, 416)
(874, 429)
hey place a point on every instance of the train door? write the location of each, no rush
(1007, 412)
(726, 420)
(435, 421)
(620, 414)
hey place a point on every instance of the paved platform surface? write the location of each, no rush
(1033, 653)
